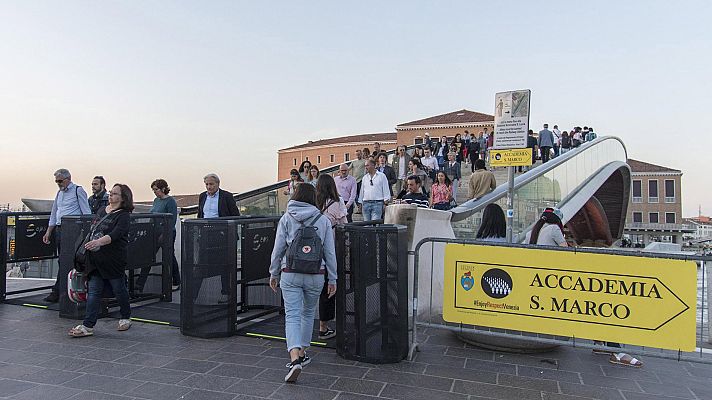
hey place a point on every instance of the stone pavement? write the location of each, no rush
(39, 361)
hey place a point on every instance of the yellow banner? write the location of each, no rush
(626, 299)
(511, 158)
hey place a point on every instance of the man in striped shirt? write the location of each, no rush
(415, 194)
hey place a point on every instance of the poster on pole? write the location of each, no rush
(511, 119)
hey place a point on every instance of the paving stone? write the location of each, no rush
(666, 389)
(403, 366)
(27, 358)
(9, 387)
(445, 340)
(439, 359)
(254, 387)
(544, 385)
(545, 373)
(335, 370)
(414, 380)
(112, 343)
(46, 392)
(639, 374)
(360, 386)
(559, 396)
(407, 392)
(607, 381)
(353, 396)
(196, 354)
(110, 369)
(159, 391)
(59, 349)
(299, 392)
(15, 371)
(704, 372)
(461, 373)
(232, 358)
(495, 391)
(105, 354)
(491, 366)
(67, 363)
(200, 394)
(305, 378)
(241, 348)
(147, 360)
(159, 375)
(477, 354)
(104, 384)
(151, 348)
(50, 376)
(208, 382)
(184, 364)
(596, 392)
(646, 396)
(236, 371)
(89, 395)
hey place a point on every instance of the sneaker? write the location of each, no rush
(81, 331)
(124, 325)
(295, 368)
(327, 334)
(175, 287)
(52, 297)
(304, 360)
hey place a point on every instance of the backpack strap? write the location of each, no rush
(316, 218)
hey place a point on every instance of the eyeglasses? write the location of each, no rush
(155, 188)
(371, 181)
(59, 180)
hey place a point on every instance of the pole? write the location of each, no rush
(510, 202)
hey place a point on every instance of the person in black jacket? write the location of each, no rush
(214, 203)
(387, 170)
(107, 258)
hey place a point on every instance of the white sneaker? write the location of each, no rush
(124, 325)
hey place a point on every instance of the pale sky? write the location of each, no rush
(136, 90)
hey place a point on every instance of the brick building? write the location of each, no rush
(655, 208)
(327, 152)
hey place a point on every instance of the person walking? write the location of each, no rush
(375, 192)
(400, 166)
(565, 142)
(481, 181)
(557, 140)
(107, 259)
(99, 198)
(313, 175)
(473, 152)
(346, 187)
(70, 199)
(163, 203)
(441, 150)
(332, 206)
(546, 143)
(294, 180)
(387, 170)
(357, 168)
(301, 290)
(304, 168)
(453, 171)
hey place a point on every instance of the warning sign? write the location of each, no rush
(634, 300)
(511, 158)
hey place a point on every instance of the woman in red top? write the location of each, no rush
(441, 192)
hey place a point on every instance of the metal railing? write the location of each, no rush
(703, 353)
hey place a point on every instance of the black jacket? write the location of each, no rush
(226, 204)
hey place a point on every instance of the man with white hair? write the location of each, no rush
(70, 200)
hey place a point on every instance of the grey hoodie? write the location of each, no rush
(287, 229)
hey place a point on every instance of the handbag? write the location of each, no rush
(80, 257)
(77, 286)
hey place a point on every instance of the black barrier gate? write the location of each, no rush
(150, 250)
(372, 293)
(21, 240)
(225, 276)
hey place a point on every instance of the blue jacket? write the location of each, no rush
(546, 138)
(289, 224)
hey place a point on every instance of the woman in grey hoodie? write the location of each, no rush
(301, 291)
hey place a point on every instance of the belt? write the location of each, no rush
(373, 201)
(321, 272)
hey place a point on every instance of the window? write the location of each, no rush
(669, 217)
(295, 162)
(638, 217)
(418, 140)
(331, 158)
(346, 156)
(653, 191)
(318, 159)
(637, 192)
(669, 191)
(653, 218)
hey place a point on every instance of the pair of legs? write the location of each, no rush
(300, 293)
(545, 154)
(53, 297)
(327, 308)
(96, 292)
(372, 210)
(175, 270)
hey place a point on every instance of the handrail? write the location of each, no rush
(190, 210)
(470, 207)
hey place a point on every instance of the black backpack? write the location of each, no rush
(566, 142)
(305, 253)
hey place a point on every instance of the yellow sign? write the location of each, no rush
(511, 158)
(626, 299)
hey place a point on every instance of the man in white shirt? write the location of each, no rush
(375, 192)
(557, 137)
(400, 166)
(430, 164)
(70, 200)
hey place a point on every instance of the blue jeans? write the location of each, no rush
(372, 210)
(300, 293)
(95, 293)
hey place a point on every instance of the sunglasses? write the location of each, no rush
(59, 180)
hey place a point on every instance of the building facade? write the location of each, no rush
(702, 226)
(328, 152)
(655, 208)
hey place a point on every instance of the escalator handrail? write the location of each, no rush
(470, 207)
(190, 210)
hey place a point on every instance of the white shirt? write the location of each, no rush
(70, 201)
(210, 208)
(401, 168)
(549, 235)
(430, 162)
(374, 187)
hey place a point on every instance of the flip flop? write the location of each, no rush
(625, 359)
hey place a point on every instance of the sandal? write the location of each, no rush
(81, 331)
(625, 359)
(124, 325)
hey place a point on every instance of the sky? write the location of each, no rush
(137, 90)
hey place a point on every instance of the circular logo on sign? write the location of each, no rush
(306, 249)
(497, 156)
(496, 283)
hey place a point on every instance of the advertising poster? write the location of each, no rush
(511, 119)
(625, 299)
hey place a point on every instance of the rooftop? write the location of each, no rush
(39, 361)
(453, 118)
(364, 137)
(640, 166)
